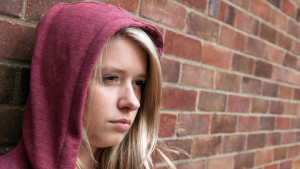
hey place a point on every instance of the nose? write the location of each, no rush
(128, 100)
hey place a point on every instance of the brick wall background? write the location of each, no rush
(231, 71)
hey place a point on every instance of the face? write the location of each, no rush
(115, 99)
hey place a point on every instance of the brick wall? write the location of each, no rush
(231, 71)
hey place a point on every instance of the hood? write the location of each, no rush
(69, 39)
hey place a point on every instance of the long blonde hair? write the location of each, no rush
(139, 144)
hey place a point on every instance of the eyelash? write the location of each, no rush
(113, 78)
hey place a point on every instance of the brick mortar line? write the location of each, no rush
(24, 10)
(196, 63)
(15, 106)
(15, 63)
(12, 20)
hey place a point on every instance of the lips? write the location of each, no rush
(122, 124)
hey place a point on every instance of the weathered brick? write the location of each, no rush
(197, 76)
(202, 27)
(189, 124)
(288, 137)
(243, 64)
(267, 123)
(255, 47)
(259, 105)
(264, 156)
(217, 56)
(234, 143)
(16, 41)
(280, 74)
(190, 164)
(215, 8)
(289, 8)
(268, 33)
(296, 122)
(232, 39)
(290, 61)
(283, 123)
(170, 70)
(164, 11)
(255, 141)
(206, 146)
(279, 20)
(199, 5)
(298, 15)
(296, 163)
(223, 124)
(295, 47)
(184, 144)
(182, 46)
(276, 3)
(245, 160)
(238, 104)
(271, 166)
(7, 83)
(212, 101)
(272, 139)
(291, 108)
(131, 5)
(261, 9)
(11, 125)
(167, 124)
(251, 85)
(296, 94)
(294, 29)
(276, 107)
(220, 162)
(12, 7)
(243, 3)
(280, 153)
(223, 12)
(274, 54)
(294, 77)
(247, 23)
(248, 123)
(270, 89)
(178, 99)
(227, 81)
(263, 69)
(284, 41)
(293, 151)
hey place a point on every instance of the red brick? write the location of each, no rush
(291, 108)
(220, 162)
(296, 122)
(170, 70)
(298, 15)
(263, 69)
(167, 124)
(294, 151)
(295, 47)
(243, 3)
(247, 23)
(251, 85)
(243, 64)
(234, 143)
(7, 83)
(294, 77)
(11, 125)
(288, 137)
(272, 139)
(238, 104)
(289, 8)
(203, 75)
(283, 123)
(131, 5)
(261, 9)
(255, 141)
(217, 56)
(276, 3)
(296, 94)
(296, 163)
(212, 101)
(255, 47)
(190, 164)
(189, 124)
(223, 12)
(294, 29)
(280, 74)
(259, 105)
(243, 161)
(178, 99)
(182, 46)
(206, 146)
(232, 39)
(200, 5)
(286, 165)
(223, 124)
(290, 61)
(227, 81)
(284, 41)
(274, 54)
(276, 107)
(272, 166)
(268, 33)
(248, 123)
(202, 27)
(12, 7)
(279, 20)
(16, 41)
(280, 153)
(267, 123)
(298, 64)
(183, 144)
(270, 89)
(164, 11)
(264, 156)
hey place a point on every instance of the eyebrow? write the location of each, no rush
(120, 71)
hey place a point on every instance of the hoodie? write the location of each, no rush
(69, 39)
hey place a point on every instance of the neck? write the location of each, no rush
(86, 158)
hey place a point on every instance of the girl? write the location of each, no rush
(95, 91)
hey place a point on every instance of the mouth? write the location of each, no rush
(122, 124)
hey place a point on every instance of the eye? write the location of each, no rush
(139, 83)
(110, 79)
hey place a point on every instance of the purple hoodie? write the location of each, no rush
(69, 39)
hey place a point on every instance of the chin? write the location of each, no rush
(107, 142)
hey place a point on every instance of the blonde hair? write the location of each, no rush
(140, 142)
